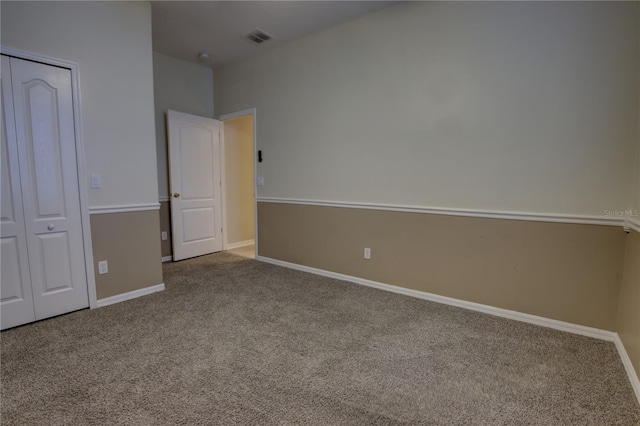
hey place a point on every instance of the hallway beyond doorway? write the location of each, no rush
(246, 251)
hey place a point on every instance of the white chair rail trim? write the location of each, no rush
(632, 223)
(124, 208)
(490, 214)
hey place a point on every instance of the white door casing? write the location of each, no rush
(46, 147)
(16, 301)
(195, 180)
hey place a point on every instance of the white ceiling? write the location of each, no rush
(182, 29)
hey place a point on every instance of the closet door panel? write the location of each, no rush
(47, 154)
(16, 301)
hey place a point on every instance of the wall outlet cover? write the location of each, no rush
(103, 267)
(367, 253)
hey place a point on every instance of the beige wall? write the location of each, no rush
(636, 205)
(131, 244)
(238, 162)
(513, 106)
(179, 86)
(111, 42)
(629, 307)
(165, 225)
(561, 271)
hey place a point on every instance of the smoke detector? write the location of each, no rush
(203, 56)
(257, 36)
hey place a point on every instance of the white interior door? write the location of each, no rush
(194, 175)
(16, 300)
(46, 154)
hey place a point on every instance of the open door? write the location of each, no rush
(194, 179)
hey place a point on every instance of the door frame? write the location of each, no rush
(238, 114)
(80, 157)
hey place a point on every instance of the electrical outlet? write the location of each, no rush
(164, 235)
(367, 253)
(260, 181)
(103, 267)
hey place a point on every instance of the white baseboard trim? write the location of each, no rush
(130, 295)
(489, 214)
(500, 312)
(240, 244)
(167, 259)
(626, 361)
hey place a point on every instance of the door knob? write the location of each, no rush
(50, 227)
(176, 194)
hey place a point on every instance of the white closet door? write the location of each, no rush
(45, 133)
(16, 302)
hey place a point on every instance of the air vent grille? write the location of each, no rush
(257, 37)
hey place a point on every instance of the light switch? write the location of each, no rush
(260, 181)
(96, 181)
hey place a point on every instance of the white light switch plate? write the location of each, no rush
(96, 181)
(260, 181)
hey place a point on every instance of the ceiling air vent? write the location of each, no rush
(257, 37)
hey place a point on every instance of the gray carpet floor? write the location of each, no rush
(236, 341)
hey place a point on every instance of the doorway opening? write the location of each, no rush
(239, 183)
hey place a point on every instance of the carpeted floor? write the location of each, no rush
(236, 341)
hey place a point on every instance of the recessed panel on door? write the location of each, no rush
(54, 249)
(7, 210)
(10, 276)
(198, 224)
(196, 154)
(42, 138)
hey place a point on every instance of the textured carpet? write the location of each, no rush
(236, 341)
